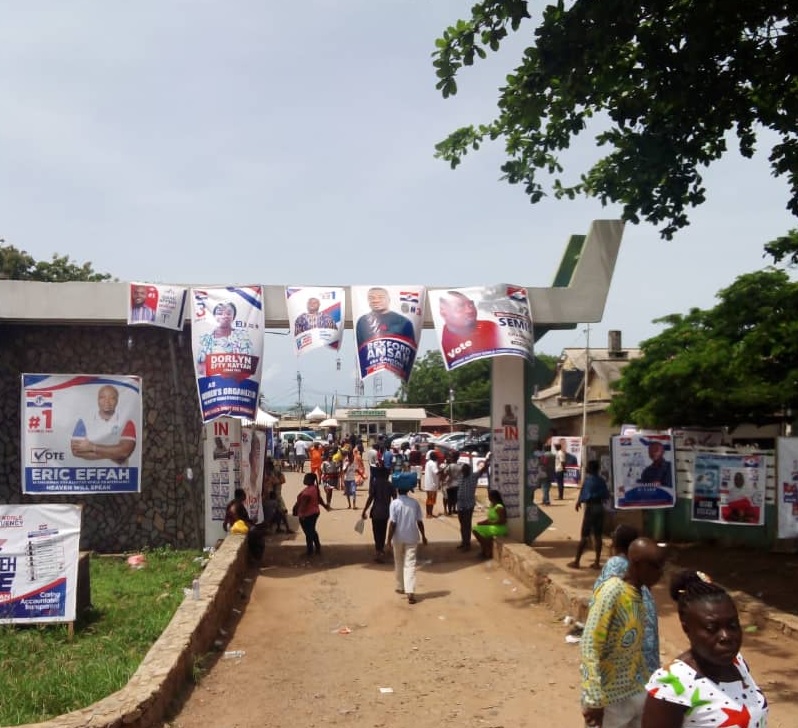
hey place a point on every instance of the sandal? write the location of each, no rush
(411, 599)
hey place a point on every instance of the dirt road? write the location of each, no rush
(329, 643)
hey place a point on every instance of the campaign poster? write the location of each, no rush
(572, 447)
(253, 457)
(729, 488)
(227, 340)
(388, 322)
(642, 471)
(81, 433)
(39, 551)
(507, 438)
(482, 322)
(222, 472)
(787, 486)
(156, 305)
(315, 317)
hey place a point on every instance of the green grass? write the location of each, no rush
(43, 674)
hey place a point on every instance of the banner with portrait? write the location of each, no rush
(227, 339)
(81, 433)
(315, 317)
(253, 456)
(729, 488)
(642, 471)
(482, 322)
(572, 448)
(39, 552)
(388, 322)
(787, 486)
(156, 305)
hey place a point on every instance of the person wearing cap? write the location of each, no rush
(404, 527)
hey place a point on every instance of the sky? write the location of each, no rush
(251, 142)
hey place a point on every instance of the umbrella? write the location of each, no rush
(317, 414)
(331, 422)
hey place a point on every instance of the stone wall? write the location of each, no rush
(168, 510)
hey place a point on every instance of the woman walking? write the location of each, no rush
(307, 508)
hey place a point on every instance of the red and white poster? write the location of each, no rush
(482, 322)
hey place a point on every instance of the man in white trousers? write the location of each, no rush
(404, 527)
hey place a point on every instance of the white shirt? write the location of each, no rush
(431, 476)
(405, 513)
(300, 448)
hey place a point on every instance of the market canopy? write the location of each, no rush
(317, 414)
(330, 422)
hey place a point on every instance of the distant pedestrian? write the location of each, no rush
(381, 492)
(308, 507)
(614, 672)
(467, 500)
(405, 525)
(431, 483)
(559, 468)
(454, 476)
(593, 493)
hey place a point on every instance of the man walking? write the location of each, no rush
(467, 500)
(614, 672)
(381, 493)
(405, 525)
(559, 468)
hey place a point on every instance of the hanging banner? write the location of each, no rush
(572, 447)
(253, 457)
(227, 339)
(642, 471)
(316, 317)
(787, 488)
(222, 472)
(729, 488)
(39, 550)
(388, 321)
(482, 322)
(80, 433)
(156, 305)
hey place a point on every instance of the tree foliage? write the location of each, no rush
(430, 384)
(666, 82)
(784, 248)
(19, 265)
(734, 363)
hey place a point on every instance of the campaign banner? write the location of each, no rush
(315, 316)
(156, 305)
(507, 437)
(388, 322)
(729, 488)
(227, 340)
(572, 447)
(253, 457)
(642, 471)
(39, 551)
(482, 322)
(222, 472)
(80, 432)
(787, 486)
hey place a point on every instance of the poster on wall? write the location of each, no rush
(39, 550)
(787, 486)
(222, 472)
(642, 471)
(507, 444)
(253, 457)
(572, 447)
(156, 305)
(482, 322)
(315, 317)
(227, 341)
(729, 488)
(388, 322)
(80, 433)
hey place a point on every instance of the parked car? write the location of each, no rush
(450, 438)
(294, 435)
(480, 446)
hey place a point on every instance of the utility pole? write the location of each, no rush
(299, 396)
(451, 409)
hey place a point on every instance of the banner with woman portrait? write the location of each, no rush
(729, 488)
(227, 340)
(156, 305)
(388, 322)
(482, 322)
(80, 433)
(315, 317)
(642, 471)
(253, 453)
